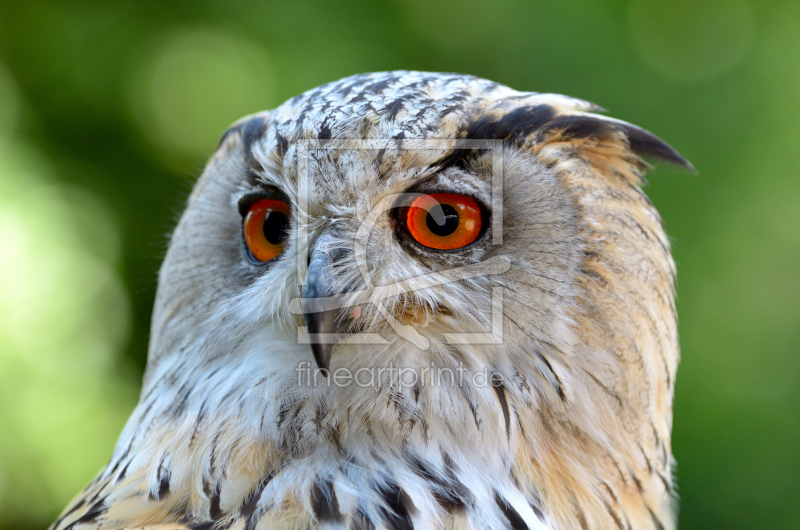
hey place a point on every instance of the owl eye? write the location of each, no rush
(444, 221)
(266, 227)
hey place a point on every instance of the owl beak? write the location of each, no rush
(322, 314)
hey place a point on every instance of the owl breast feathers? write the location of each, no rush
(408, 300)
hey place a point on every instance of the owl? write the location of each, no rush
(408, 300)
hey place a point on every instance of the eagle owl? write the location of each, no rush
(408, 300)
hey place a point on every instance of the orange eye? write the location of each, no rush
(444, 221)
(266, 227)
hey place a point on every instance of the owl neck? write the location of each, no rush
(466, 441)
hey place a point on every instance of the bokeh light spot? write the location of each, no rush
(64, 319)
(691, 39)
(194, 85)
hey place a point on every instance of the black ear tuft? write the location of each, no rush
(648, 145)
(251, 129)
(544, 123)
(642, 142)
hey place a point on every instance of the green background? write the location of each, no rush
(108, 111)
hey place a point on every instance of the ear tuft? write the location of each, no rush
(648, 145)
(641, 142)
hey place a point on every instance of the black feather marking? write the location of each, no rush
(124, 472)
(235, 129)
(117, 464)
(459, 157)
(91, 515)
(163, 474)
(71, 511)
(536, 510)
(395, 107)
(324, 501)
(252, 131)
(448, 491)
(614, 516)
(667, 485)
(497, 384)
(96, 495)
(248, 507)
(514, 518)
(558, 386)
(178, 406)
(211, 525)
(594, 274)
(207, 486)
(333, 433)
(324, 130)
(655, 519)
(202, 414)
(512, 127)
(214, 510)
(628, 525)
(473, 407)
(648, 145)
(617, 398)
(637, 482)
(283, 143)
(379, 86)
(398, 517)
(416, 390)
(163, 485)
(213, 457)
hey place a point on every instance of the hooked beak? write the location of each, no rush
(325, 320)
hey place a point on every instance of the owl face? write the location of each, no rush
(374, 257)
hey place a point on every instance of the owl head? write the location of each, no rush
(432, 264)
(390, 218)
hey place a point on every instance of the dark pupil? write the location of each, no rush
(276, 227)
(442, 220)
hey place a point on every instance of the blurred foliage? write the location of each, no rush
(109, 109)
